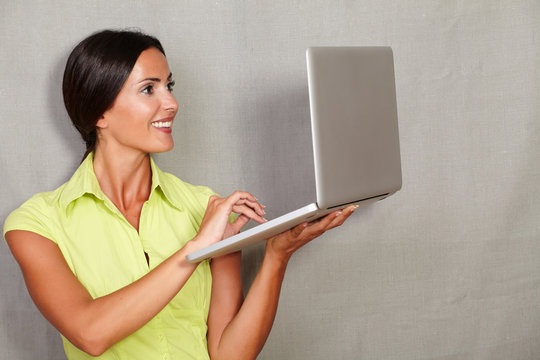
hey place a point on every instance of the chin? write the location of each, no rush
(163, 148)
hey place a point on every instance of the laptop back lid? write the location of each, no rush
(354, 124)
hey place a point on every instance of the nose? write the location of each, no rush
(170, 103)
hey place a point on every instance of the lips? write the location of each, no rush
(163, 124)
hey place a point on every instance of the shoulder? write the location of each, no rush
(35, 214)
(179, 190)
(185, 196)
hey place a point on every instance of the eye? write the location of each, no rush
(170, 85)
(148, 89)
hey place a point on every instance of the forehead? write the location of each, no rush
(151, 63)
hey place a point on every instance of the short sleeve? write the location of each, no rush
(32, 216)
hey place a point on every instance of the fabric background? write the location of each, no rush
(448, 268)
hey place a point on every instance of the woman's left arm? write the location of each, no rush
(238, 329)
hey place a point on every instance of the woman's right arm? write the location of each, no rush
(94, 325)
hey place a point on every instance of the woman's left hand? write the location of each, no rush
(286, 243)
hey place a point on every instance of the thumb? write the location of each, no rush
(239, 223)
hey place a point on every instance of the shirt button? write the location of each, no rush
(160, 336)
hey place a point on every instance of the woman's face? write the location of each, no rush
(142, 114)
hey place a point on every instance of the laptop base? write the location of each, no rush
(271, 228)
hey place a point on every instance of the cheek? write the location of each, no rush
(136, 115)
(130, 118)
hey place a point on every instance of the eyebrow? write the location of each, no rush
(155, 79)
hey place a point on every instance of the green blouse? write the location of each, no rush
(105, 252)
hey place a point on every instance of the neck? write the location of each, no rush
(124, 176)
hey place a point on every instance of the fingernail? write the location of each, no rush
(354, 208)
(265, 219)
(339, 213)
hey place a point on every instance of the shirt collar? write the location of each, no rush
(162, 181)
(84, 181)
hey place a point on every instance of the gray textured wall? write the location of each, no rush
(448, 268)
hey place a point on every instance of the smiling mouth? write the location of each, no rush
(162, 124)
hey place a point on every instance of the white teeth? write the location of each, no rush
(160, 124)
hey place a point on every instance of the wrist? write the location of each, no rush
(278, 258)
(192, 246)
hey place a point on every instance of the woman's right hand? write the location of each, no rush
(215, 224)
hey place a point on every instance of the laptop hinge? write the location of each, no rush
(352, 202)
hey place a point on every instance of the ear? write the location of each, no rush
(102, 123)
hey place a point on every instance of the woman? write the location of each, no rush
(103, 256)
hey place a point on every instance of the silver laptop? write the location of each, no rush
(355, 137)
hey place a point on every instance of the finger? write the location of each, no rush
(317, 228)
(237, 195)
(298, 229)
(342, 216)
(255, 205)
(325, 221)
(249, 212)
(337, 221)
(239, 223)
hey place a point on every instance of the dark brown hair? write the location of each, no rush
(96, 70)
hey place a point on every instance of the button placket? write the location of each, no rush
(147, 255)
(163, 345)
